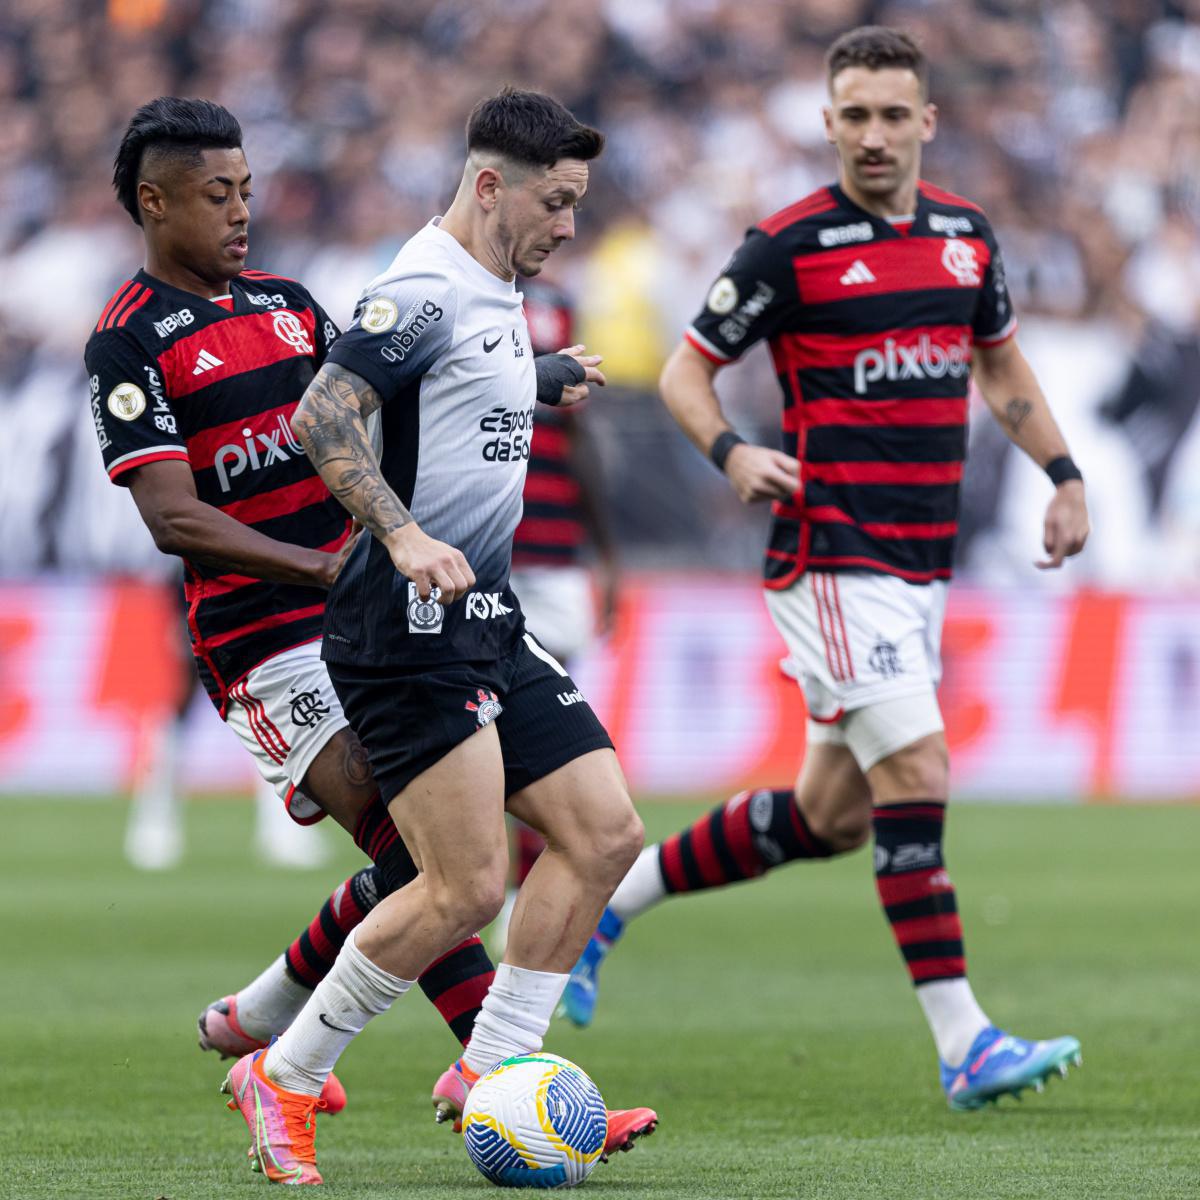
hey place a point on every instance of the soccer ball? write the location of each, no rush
(536, 1120)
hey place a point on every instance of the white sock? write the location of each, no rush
(353, 992)
(954, 1017)
(641, 888)
(515, 1016)
(270, 1004)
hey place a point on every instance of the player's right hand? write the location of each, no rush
(430, 564)
(758, 473)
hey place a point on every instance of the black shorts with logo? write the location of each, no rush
(408, 718)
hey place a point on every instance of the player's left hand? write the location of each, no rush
(590, 363)
(1066, 529)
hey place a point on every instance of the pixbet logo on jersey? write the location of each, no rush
(246, 454)
(926, 359)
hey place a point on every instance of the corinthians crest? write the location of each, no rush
(486, 706)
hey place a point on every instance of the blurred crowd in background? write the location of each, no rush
(1076, 126)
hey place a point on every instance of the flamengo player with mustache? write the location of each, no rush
(878, 296)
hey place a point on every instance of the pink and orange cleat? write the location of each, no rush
(220, 1031)
(283, 1124)
(625, 1125)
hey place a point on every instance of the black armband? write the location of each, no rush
(722, 445)
(555, 372)
(1063, 469)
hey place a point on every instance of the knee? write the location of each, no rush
(842, 829)
(612, 845)
(466, 903)
(918, 772)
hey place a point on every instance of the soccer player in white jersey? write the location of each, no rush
(458, 707)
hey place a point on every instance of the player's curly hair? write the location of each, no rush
(530, 128)
(172, 127)
(878, 48)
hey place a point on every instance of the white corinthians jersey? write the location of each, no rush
(445, 344)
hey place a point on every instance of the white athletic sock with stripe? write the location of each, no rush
(515, 1016)
(269, 1004)
(353, 992)
(954, 1016)
(641, 888)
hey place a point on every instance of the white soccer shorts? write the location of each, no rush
(285, 711)
(559, 608)
(866, 651)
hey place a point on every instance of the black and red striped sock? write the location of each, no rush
(456, 984)
(311, 955)
(378, 838)
(741, 839)
(918, 897)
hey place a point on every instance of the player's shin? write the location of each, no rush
(920, 903)
(353, 992)
(741, 839)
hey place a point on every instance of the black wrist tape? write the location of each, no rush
(719, 451)
(555, 372)
(1062, 469)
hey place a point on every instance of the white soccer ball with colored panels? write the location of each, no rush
(536, 1120)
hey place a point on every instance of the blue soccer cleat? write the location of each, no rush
(578, 1003)
(999, 1064)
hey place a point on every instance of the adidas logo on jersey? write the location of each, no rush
(859, 272)
(206, 362)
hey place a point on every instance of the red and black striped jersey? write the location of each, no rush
(551, 532)
(176, 376)
(871, 327)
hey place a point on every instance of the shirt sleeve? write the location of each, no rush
(327, 333)
(134, 422)
(747, 302)
(401, 328)
(994, 320)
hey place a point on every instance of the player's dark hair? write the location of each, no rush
(530, 128)
(878, 48)
(173, 127)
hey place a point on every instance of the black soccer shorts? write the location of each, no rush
(408, 718)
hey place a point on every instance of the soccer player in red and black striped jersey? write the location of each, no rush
(878, 297)
(196, 366)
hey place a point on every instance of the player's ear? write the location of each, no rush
(827, 114)
(488, 185)
(151, 201)
(929, 122)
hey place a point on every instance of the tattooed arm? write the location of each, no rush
(329, 425)
(1015, 399)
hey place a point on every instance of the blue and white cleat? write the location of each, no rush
(578, 1002)
(999, 1064)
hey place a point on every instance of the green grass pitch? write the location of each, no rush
(771, 1025)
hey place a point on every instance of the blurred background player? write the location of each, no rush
(568, 601)
(155, 832)
(877, 296)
